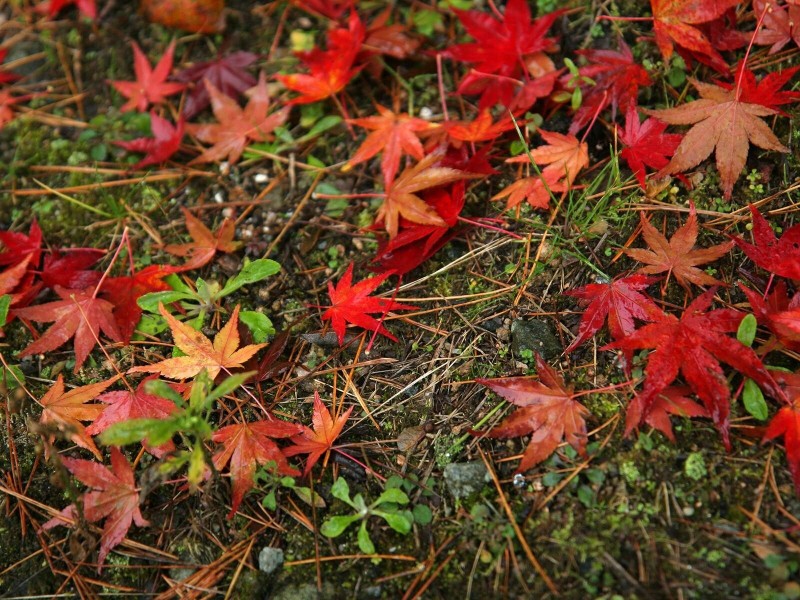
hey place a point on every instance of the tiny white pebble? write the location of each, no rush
(425, 113)
(227, 212)
(261, 178)
(219, 198)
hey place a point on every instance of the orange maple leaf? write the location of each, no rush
(236, 125)
(201, 353)
(319, 440)
(204, 244)
(563, 154)
(66, 410)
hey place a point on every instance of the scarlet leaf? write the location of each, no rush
(766, 91)
(151, 86)
(200, 352)
(352, 304)
(393, 134)
(204, 244)
(113, 496)
(157, 149)
(197, 16)
(677, 256)
(66, 410)
(481, 129)
(227, 73)
(52, 7)
(778, 313)
(331, 69)
(331, 9)
(68, 268)
(722, 120)
(786, 424)
(77, 314)
(646, 144)
(246, 445)
(17, 246)
(11, 277)
(318, 439)
(781, 24)
(780, 257)
(694, 345)
(669, 401)
(620, 301)
(236, 126)
(547, 410)
(6, 76)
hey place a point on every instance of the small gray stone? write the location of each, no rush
(270, 560)
(535, 335)
(465, 479)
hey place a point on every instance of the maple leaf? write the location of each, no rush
(52, 7)
(196, 16)
(247, 445)
(393, 134)
(318, 439)
(77, 314)
(508, 48)
(157, 149)
(123, 292)
(352, 304)
(694, 345)
(547, 410)
(150, 86)
(564, 155)
(481, 129)
(669, 401)
(204, 244)
(722, 120)
(536, 190)
(390, 40)
(6, 76)
(330, 9)
(766, 91)
(10, 278)
(401, 198)
(66, 410)
(777, 312)
(674, 23)
(786, 424)
(125, 405)
(781, 24)
(200, 352)
(68, 268)
(226, 73)
(236, 125)
(780, 257)
(113, 496)
(617, 78)
(619, 301)
(6, 102)
(330, 70)
(677, 256)
(646, 144)
(18, 246)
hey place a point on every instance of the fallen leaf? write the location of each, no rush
(52, 7)
(536, 190)
(564, 155)
(318, 439)
(204, 244)
(780, 257)
(68, 268)
(786, 424)
(6, 76)
(151, 85)
(197, 16)
(18, 246)
(158, 149)
(669, 401)
(227, 73)
(646, 144)
(781, 24)
(778, 313)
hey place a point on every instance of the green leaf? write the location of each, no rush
(747, 330)
(335, 526)
(133, 430)
(311, 498)
(577, 98)
(5, 302)
(228, 385)
(364, 541)
(251, 272)
(156, 387)
(392, 495)
(270, 502)
(12, 377)
(259, 325)
(394, 481)
(150, 302)
(753, 399)
(197, 465)
(320, 127)
(399, 521)
(422, 514)
(341, 490)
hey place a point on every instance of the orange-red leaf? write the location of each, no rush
(197, 16)
(151, 85)
(564, 155)
(204, 244)
(318, 439)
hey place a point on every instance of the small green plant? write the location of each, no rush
(270, 482)
(573, 93)
(388, 507)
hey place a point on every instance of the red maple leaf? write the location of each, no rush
(6, 76)
(246, 445)
(536, 190)
(318, 439)
(669, 401)
(619, 301)
(480, 129)
(227, 73)
(646, 144)
(6, 102)
(123, 292)
(678, 255)
(78, 314)
(353, 303)
(331, 9)
(617, 78)
(694, 345)
(547, 410)
(780, 257)
(157, 149)
(151, 85)
(331, 69)
(786, 423)
(778, 313)
(129, 404)
(393, 134)
(237, 126)
(18, 246)
(563, 155)
(11, 277)
(766, 91)
(506, 49)
(52, 7)
(113, 496)
(781, 24)
(390, 40)
(204, 244)
(675, 21)
(67, 268)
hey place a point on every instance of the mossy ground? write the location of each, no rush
(641, 518)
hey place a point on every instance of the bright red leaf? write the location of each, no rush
(780, 257)
(68, 268)
(151, 85)
(112, 496)
(646, 144)
(6, 102)
(669, 401)
(778, 313)
(6, 76)
(480, 129)
(786, 424)
(52, 7)
(18, 246)
(547, 410)
(78, 314)
(227, 73)
(247, 445)
(766, 91)
(204, 244)
(157, 149)
(318, 439)
(353, 303)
